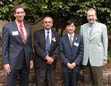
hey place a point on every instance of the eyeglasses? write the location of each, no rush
(20, 12)
(47, 21)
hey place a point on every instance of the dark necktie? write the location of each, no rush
(47, 43)
(22, 33)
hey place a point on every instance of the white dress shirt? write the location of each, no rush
(71, 35)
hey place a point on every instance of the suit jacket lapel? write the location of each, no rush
(74, 39)
(16, 29)
(28, 32)
(94, 30)
(87, 31)
(68, 41)
(52, 41)
(42, 36)
(92, 35)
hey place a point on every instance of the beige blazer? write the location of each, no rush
(95, 45)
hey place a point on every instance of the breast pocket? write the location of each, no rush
(98, 33)
(98, 36)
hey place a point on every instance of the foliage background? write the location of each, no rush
(60, 10)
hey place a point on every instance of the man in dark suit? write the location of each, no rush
(46, 45)
(17, 49)
(71, 54)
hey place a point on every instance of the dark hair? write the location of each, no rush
(18, 6)
(69, 22)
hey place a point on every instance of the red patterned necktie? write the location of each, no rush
(22, 33)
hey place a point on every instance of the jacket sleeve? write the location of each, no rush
(31, 45)
(105, 42)
(81, 31)
(5, 46)
(62, 56)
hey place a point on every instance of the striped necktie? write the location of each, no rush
(22, 33)
(70, 39)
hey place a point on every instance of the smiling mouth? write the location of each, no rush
(20, 17)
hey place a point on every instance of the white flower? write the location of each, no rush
(54, 39)
(76, 38)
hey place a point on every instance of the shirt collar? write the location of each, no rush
(70, 35)
(92, 24)
(18, 24)
(47, 30)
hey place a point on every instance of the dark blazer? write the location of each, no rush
(14, 51)
(39, 47)
(71, 54)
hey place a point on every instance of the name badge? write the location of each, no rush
(76, 44)
(14, 33)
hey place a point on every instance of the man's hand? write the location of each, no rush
(49, 59)
(74, 65)
(105, 62)
(7, 68)
(69, 65)
(31, 64)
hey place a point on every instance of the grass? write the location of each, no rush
(109, 57)
(0, 62)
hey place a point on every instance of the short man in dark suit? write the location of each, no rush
(71, 54)
(46, 45)
(17, 49)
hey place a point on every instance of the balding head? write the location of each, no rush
(91, 15)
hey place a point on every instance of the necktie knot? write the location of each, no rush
(48, 32)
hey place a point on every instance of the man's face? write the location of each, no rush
(91, 16)
(19, 14)
(47, 23)
(70, 28)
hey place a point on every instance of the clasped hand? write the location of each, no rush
(71, 65)
(49, 59)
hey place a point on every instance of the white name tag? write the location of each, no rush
(14, 33)
(76, 44)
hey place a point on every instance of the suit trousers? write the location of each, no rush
(71, 78)
(19, 77)
(93, 75)
(45, 76)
